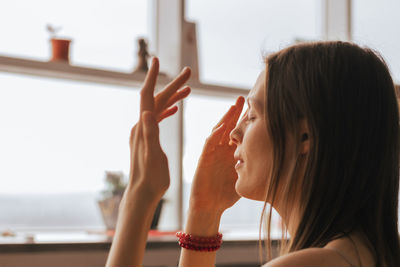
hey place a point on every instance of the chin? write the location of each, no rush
(247, 191)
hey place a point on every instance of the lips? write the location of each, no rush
(239, 161)
(239, 164)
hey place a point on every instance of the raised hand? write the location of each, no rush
(149, 174)
(213, 187)
(146, 152)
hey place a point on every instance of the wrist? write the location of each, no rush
(203, 222)
(143, 194)
(137, 199)
(199, 205)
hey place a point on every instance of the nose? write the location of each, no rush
(235, 135)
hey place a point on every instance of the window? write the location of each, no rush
(249, 30)
(104, 32)
(375, 25)
(58, 139)
(60, 136)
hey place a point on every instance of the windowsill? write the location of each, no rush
(84, 240)
(67, 71)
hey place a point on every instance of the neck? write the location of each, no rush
(290, 217)
(289, 207)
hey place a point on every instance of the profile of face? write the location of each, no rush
(254, 146)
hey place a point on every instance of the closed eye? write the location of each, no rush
(250, 117)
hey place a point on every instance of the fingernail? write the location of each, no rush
(186, 90)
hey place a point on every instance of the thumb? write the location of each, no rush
(150, 130)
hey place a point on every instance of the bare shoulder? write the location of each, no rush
(308, 257)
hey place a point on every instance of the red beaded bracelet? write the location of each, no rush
(199, 243)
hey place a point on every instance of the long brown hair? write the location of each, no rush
(351, 177)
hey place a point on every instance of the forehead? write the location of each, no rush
(257, 92)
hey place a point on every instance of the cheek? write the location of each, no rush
(252, 181)
(253, 177)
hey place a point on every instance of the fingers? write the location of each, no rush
(147, 92)
(179, 95)
(238, 110)
(232, 121)
(167, 113)
(234, 111)
(227, 115)
(163, 97)
(216, 135)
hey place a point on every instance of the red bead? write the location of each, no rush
(199, 243)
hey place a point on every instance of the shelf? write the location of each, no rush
(77, 73)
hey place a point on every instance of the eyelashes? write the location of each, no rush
(250, 117)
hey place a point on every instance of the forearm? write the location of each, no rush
(134, 220)
(200, 223)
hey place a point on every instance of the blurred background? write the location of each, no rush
(59, 136)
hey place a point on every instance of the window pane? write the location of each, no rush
(57, 140)
(103, 32)
(198, 123)
(234, 34)
(375, 24)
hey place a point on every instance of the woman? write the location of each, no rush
(319, 142)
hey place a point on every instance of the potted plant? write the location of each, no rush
(111, 198)
(59, 46)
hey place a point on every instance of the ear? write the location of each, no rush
(304, 137)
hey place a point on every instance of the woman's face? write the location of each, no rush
(254, 147)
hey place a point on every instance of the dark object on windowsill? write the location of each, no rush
(157, 213)
(142, 56)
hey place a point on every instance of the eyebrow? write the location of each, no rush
(255, 101)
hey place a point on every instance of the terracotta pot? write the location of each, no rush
(60, 50)
(109, 210)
